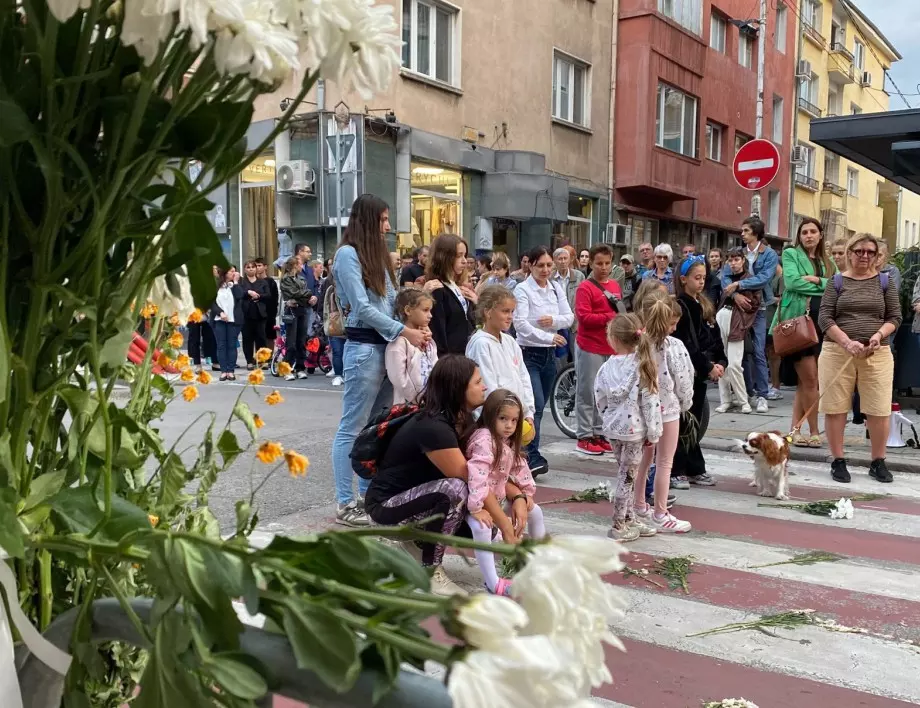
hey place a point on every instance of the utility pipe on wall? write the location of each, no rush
(611, 149)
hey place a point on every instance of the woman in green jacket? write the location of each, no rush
(806, 268)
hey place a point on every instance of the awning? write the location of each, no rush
(886, 143)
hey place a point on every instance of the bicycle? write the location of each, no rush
(318, 355)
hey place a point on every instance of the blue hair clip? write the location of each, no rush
(690, 262)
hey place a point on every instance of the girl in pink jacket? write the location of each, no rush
(494, 454)
(407, 365)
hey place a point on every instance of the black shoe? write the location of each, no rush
(839, 470)
(539, 468)
(879, 470)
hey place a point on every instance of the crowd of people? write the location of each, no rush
(476, 345)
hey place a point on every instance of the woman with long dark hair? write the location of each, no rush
(227, 317)
(366, 290)
(453, 317)
(806, 268)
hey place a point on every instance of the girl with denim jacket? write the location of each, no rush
(366, 289)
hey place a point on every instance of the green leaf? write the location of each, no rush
(161, 384)
(14, 128)
(243, 510)
(82, 407)
(10, 530)
(4, 341)
(43, 487)
(173, 476)
(115, 349)
(79, 511)
(195, 229)
(400, 564)
(244, 413)
(322, 644)
(8, 476)
(166, 682)
(229, 447)
(351, 551)
(235, 676)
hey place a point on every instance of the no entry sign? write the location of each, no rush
(756, 164)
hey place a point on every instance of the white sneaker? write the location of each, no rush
(623, 535)
(302, 374)
(330, 374)
(442, 585)
(746, 408)
(670, 524)
(290, 377)
(644, 528)
(351, 515)
(762, 406)
(723, 408)
(338, 381)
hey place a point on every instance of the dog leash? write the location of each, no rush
(798, 426)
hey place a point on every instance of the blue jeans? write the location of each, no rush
(367, 390)
(541, 365)
(761, 372)
(338, 349)
(226, 334)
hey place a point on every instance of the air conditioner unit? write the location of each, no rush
(295, 177)
(865, 79)
(799, 155)
(803, 70)
(618, 234)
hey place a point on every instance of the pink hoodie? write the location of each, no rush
(482, 479)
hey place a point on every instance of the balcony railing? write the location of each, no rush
(841, 71)
(833, 188)
(840, 48)
(806, 182)
(809, 107)
(814, 35)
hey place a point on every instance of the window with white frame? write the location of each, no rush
(852, 182)
(772, 224)
(811, 14)
(676, 121)
(745, 50)
(717, 32)
(686, 13)
(429, 39)
(778, 120)
(779, 35)
(806, 168)
(859, 56)
(714, 141)
(809, 88)
(570, 89)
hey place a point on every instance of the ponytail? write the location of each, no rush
(627, 329)
(656, 315)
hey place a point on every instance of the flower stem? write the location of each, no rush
(411, 533)
(45, 591)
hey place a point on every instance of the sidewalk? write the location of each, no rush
(725, 428)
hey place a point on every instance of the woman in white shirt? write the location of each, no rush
(542, 310)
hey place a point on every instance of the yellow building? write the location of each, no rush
(841, 69)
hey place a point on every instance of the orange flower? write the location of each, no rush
(269, 452)
(182, 361)
(175, 340)
(190, 393)
(187, 375)
(149, 310)
(284, 369)
(153, 519)
(164, 361)
(196, 316)
(274, 398)
(263, 355)
(174, 319)
(256, 377)
(204, 378)
(258, 422)
(297, 463)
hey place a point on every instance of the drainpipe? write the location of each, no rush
(611, 150)
(795, 122)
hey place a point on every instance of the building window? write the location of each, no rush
(773, 212)
(859, 56)
(714, 142)
(676, 121)
(805, 170)
(643, 230)
(745, 50)
(717, 31)
(740, 140)
(577, 231)
(428, 34)
(686, 13)
(778, 120)
(570, 89)
(809, 87)
(811, 14)
(779, 35)
(437, 205)
(852, 182)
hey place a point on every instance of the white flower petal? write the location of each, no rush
(489, 620)
(63, 10)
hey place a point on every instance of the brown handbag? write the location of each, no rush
(794, 335)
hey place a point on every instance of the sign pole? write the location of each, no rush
(761, 62)
(338, 181)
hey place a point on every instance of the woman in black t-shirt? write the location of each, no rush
(423, 471)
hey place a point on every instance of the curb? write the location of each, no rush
(813, 455)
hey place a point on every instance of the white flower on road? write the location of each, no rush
(843, 510)
(489, 620)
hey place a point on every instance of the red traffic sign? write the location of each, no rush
(756, 164)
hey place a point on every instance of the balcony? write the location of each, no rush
(840, 49)
(813, 35)
(806, 182)
(809, 107)
(840, 71)
(833, 197)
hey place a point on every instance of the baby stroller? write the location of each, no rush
(319, 351)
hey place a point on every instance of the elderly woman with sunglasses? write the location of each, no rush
(860, 310)
(662, 272)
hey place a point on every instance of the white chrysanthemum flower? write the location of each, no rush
(489, 620)
(257, 45)
(145, 31)
(597, 554)
(843, 510)
(63, 10)
(168, 303)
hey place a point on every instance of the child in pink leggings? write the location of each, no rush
(659, 314)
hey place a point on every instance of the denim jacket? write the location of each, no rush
(764, 270)
(365, 308)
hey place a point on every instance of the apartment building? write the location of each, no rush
(843, 58)
(497, 128)
(685, 103)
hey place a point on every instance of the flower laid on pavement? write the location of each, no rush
(263, 355)
(183, 361)
(257, 421)
(269, 452)
(195, 316)
(256, 377)
(284, 369)
(731, 703)
(175, 340)
(190, 393)
(274, 398)
(843, 510)
(204, 377)
(297, 463)
(187, 375)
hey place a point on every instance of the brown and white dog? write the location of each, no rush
(770, 454)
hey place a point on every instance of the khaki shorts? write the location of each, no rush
(838, 379)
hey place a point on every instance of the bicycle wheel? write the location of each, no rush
(277, 358)
(562, 401)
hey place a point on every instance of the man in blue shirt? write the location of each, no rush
(762, 262)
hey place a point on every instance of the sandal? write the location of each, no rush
(814, 441)
(800, 440)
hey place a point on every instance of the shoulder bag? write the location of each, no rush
(615, 304)
(794, 335)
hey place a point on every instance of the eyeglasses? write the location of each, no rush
(661, 258)
(863, 252)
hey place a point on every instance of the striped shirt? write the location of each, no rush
(860, 309)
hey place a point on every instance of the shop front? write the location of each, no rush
(436, 205)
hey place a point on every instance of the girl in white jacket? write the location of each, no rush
(408, 366)
(626, 395)
(498, 355)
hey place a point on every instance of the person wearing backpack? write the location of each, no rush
(860, 311)
(597, 302)
(333, 326)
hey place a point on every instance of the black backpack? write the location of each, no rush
(372, 442)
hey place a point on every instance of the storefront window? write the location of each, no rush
(437, 205)
(643, 230)
(258, 236)
(577, 231)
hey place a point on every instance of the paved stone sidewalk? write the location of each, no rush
(725, 428)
